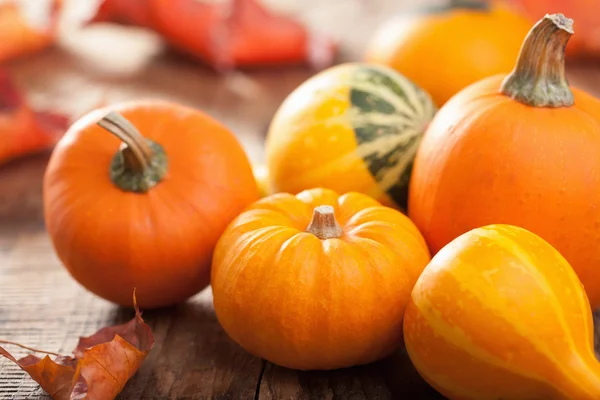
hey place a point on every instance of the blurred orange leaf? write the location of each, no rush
(23, 130)
(101, 366)
(23, 33)
(225, 34)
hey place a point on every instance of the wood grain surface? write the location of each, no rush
(41, 306)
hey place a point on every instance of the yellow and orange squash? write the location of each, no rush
(353, 127)
(317, 281)
(499, 314)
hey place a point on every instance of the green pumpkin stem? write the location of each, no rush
(323, 224)
(539, 78)
(140, 163)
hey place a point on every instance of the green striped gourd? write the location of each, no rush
(353, 127)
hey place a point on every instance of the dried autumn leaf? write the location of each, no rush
(129, 12)
(23, 130)
(26, 28)
(224, 33)
(102, 365)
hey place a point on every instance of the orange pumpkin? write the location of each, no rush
(446, 48)
(317, 280)
(128, 211)
(523, 150)
(500, 314)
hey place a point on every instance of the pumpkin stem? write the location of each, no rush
(539, 78)
(140, 163)
(470, 4)
(323, 224)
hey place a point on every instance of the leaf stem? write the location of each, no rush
(29, 348)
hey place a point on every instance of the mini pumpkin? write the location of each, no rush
(520, 149)
(499, 314)
(136, 196)
(445, 48)
(351, 128)
(317, 280)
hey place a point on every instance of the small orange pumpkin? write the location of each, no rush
(443, 49)
(317, 280)
(128, 211)
(499, 314)
(522, 149)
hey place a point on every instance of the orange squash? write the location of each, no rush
(128, 211)
(317, 280)
(446, 48)
(500, 314)
(522, 149)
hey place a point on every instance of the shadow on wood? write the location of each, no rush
(193, 358)
(21, 201)
(391, 378)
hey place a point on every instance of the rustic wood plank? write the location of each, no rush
(355, 383)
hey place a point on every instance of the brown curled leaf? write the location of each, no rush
(102, 365)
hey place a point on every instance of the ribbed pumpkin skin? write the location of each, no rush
(499, 314)
(353, 127)
(302, 302)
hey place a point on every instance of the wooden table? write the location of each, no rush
(41, 306)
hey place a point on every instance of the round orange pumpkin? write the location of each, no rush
(443, 49)
(522, 150)
(317, 280)
(499, 314)
(128, 211)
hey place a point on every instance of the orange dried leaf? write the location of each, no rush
(23, 130)
(102, 365)
(225, 34)
(22, 33)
